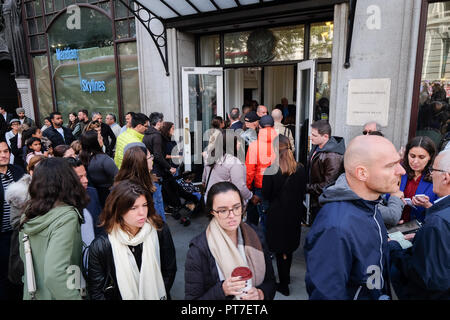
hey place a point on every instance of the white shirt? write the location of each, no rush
(87, 228)
(61, 132)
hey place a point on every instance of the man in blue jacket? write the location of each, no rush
(346, 249)
(423, 271)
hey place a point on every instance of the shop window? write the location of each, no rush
(210, 50)
(290, 43)
(321, 40)
(258, 46)
(235, 47)
(433, 113)
(43, 86)
(129, 76)
(83, 64)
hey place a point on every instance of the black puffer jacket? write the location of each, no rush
(153, 140)
(202, 280)
(102, 281)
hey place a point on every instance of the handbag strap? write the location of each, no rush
(31, 280)
(209, 176)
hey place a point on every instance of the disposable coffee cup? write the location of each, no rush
(246, 275)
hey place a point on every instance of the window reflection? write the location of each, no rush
(433, 118)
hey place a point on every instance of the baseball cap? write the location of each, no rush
(14, 120)
(266, 121)
(251, 117)
(135, 144)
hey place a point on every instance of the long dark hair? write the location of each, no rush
(54, 183)
(222, 146)
(217, 188)
(165, 129)
(429, 146)
(134, 167)
(89, 146)
(121, 200)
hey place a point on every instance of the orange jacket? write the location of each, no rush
(260, 155)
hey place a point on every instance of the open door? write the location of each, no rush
(306, 84)
(202, 90)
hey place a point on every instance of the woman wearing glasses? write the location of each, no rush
(416, 184)
(226, 244)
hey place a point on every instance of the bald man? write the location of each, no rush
(281, 128)
(261, 111)
(422, 271)
(346, 248)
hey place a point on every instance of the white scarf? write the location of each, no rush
(147, 284)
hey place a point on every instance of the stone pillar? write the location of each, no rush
(24, 87)
(381, 48)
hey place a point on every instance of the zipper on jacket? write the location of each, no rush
(381, 246)
(357, 293)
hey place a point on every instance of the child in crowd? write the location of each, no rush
(34, 147)
(186, 183)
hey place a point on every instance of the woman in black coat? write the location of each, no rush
(112, 276)
(285, 191)
(213, 255)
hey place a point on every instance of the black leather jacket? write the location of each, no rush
(101, 279)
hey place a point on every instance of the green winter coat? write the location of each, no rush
(56, 247)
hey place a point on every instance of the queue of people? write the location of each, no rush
(93, 208)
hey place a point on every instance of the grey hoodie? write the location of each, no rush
(340, 191)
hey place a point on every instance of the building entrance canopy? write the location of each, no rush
(200, 16)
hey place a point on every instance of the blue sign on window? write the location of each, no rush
(86, 85)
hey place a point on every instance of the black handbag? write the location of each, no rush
(200, 207)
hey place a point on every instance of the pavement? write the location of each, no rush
(182, 236)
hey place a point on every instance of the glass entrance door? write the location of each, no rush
(306, 88)
(306, 78)
(202, 90)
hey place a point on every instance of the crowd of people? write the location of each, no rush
(85, 209)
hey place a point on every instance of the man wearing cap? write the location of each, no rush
(23, 118)
(251, 126)
(260, 156)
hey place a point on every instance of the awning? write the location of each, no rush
(212, 15)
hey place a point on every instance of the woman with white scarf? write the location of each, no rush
(136, 259)
(226, 244)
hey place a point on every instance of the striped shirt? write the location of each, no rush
(7, 179)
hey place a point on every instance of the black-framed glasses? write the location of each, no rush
(365, 132)
(224, 213)
(431, 169)
(150, 157)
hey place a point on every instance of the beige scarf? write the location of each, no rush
(147, 284)
(227, 255)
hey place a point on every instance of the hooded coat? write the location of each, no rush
(324, 167)
(346, 249)
(56, 247)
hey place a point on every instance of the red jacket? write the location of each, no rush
(260, 155)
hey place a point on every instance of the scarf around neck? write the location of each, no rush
(146, 284)
(227, 255)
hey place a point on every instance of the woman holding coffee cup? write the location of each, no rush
(227, 260)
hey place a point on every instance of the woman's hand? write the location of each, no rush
(252, 294)
(233, 286)
(421, 201)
